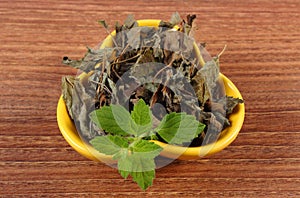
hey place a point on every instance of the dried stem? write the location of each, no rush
(125, 60)
(112, 38)
(223, 50)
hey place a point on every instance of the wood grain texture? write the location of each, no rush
(262, 59)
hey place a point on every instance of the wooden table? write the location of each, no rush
(262, 59)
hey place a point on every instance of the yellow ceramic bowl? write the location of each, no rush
(227, 136)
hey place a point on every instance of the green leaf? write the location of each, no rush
(143, 179)
(109, 145)
(124, 174)
(146, 148)
(137, 160)
(177, 128)
(142, 116)
(141, 168)
(141, 113)
(139, 163)
(140, 158)
(114, 119)
(122, 154)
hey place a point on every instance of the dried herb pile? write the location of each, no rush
(159, 65)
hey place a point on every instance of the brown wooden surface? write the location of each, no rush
(262, 59)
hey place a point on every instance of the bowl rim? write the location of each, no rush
(71, 135)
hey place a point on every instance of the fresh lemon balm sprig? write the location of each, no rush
(129, 133)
